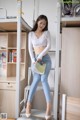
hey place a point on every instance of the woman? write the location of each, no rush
(39, 45)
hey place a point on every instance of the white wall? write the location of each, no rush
(48, 7)
(27, 8)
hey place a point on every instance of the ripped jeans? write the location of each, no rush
(44, 80)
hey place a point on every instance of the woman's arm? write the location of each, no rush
(30, 48)
(45, 51)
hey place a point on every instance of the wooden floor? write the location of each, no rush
(7, 119)
(73, 108)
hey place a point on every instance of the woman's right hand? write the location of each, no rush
(34, 62)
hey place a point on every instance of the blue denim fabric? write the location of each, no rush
(43, 78)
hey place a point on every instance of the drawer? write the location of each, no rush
(8, 86)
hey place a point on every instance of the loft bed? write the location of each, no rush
(10, 25)
(18, 25)
(70, 21)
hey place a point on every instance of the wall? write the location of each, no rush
(27, 8)
(47, 7)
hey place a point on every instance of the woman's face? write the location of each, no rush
(41, 24)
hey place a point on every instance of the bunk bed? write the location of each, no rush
(17, 25)
(55, 90)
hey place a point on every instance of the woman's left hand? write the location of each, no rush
(38, 60)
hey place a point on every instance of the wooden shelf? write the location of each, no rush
(9, 79)
(9, 41)
(11, 25)
(70, 21)
(8, 63)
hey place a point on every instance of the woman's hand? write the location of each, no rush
(34, 62)
(38, 60)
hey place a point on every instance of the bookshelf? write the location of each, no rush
(8, 61)
(8, 54)
(3, 55)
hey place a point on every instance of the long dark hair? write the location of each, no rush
(36, 23)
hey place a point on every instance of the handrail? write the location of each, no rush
(63, 107)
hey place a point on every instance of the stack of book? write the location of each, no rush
(12, 55)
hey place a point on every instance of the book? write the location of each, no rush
(10, 56)
(39, 68)
(2, 63)
(14, 55)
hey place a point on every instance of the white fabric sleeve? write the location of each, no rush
(30, 48)
(45, 51)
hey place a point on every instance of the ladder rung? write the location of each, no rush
(52, 68)
(28, 88)
(35, 112)
(38, 113)
(51, 89)
(39, 88)
(30, 118)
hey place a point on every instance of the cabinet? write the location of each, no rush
(8, 57)
(70, 61)
(70, 58)
(7, 99)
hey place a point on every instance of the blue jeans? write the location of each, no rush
(43, 78)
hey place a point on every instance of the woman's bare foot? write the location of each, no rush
(28, 109)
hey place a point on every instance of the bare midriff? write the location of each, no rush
(38, 49)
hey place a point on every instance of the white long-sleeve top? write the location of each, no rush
(44, 41)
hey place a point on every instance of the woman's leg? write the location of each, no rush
(46, 88)
(44, 80)
(47, 95)
(36, 80)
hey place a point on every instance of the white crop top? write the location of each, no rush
(44, 40)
